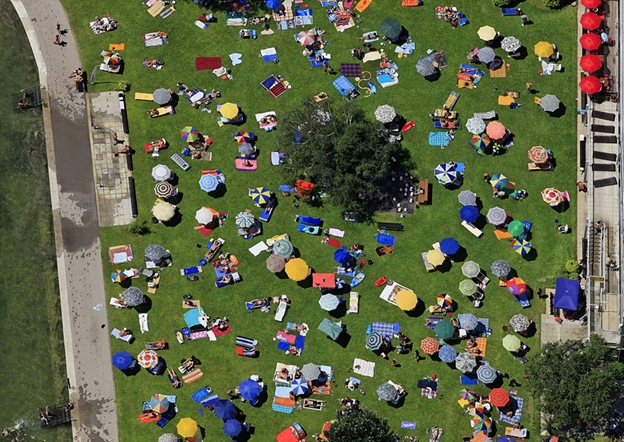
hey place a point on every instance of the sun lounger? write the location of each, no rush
(128, 338)
(143, 97)
(489, 115)
(451, 100)
(472, 229)
(117, 303)
(156, 8)
(143, 322)
(281, 311)
(354, 303)
(191, 270)
(163, 111)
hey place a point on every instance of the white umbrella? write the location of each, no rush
(205, 215)
(475, 125)
(161, 172)
(550, 103)
(163, 211)
(329, 302)
(510, 44)
(385, 113)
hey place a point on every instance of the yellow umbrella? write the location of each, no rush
(187, 427)
(229, 110)
(297, 269)
(543, 49)
(486, 33)
(435, 257)
(406, 300)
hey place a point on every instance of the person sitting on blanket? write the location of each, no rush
(225, 279)
(257, 303)
(283, 374)
(173, 378)
(221, 323)
(152, 113)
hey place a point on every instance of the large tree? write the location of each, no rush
(346, 155)
(577, 383)
(361, 426)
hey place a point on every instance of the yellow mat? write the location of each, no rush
(156, 9)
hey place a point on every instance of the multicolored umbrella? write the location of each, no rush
(123, 360)
(206, 215)
(310, 371)
(496, 216)
(515, 228)
(499, 397)
(477, 409)
(590, 63)
(133, 296)
(148, 358)
(329, 302)
(590, 41)
(486, 55)
(479, 424)
(591, 21)
(467, 198)
(283, 248)
(406, 300)
(486, 33)
(444, 300)
(475, 125)
(446, 173)
(164, 189)
(435, 257)
(244, 137)
(250, 389)
(160, 172)
(299, 386)
(189, 134)
(225, 409)
(429, 345)
(187, 427)
(260, 195)
(245, 220)
(444, 329)
(538, 154)
(232, 427)
(550, 103)
(519, 323)
(449, 246)
(465, 362)
(512, 343)
(469, 213)
(447, 354)
(590, 84)
(486, 374)
(521, 247)
(387, 392)
(552, 196)
(118, 276)
(510, 44)
(480, 141)
(374, 341)
(228, 110)
(297, 270)
(161, 96)
(209, 182)
(516, 286)
(496, 130)
(471, 269)
(468, 395)
(275, 263)
(159, 403)
(499, 181)
(385, 113)
(500, 268)
(543, 49)
(467, 287)
(468, 321)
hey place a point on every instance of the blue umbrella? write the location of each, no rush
(123, 360)
(447, 354)
(250, 389)
(446, 173)
(342, 256)
(273, 4)
(299, 386)
(469, 214)
(225, 409)
(468, 321)
(232, 427)
(449, 246)
(374, 341)
(208, 182)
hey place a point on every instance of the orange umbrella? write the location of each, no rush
(429, 345)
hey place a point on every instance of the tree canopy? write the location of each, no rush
(346, 155)
(576, 380)
(361, 426)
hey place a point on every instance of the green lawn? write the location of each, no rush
(413, 97)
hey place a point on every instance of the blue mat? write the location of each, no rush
(438, 139)
(470, 379)
(388, 240)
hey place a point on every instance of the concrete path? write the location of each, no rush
(79, 258)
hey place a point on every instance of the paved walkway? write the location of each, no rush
(79, 258)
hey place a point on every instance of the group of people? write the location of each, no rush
(104, 24)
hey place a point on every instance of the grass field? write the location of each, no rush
(414, 98)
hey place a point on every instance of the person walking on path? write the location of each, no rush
(116, 139)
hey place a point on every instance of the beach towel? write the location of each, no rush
(336, 232)
(432, 321)
(364, 368)
(192, 376)
(167, 12)
(322, 389)
(259, 248)
(385, 328)
(469, 379)
(143, 322)
(499, 73)
(438, 139)
(120, 254)
(371, 56)
(351, 69)
(156, 8)
(116, 47)
(354, 302)
(207, 63)
(253, 165)
(268, 54)
(218, 332)
(287, 337)
(199, 335)
(194, 304)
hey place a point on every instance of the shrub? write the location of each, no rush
(500, 3)
(571, 267)
(140, 228)
(552, 4)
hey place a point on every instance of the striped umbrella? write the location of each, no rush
(447, 354)
(465, 362)
(299, 386)
(444, 329)
(209, 182)
(148, 358)
(260, 195)
(500, 268)
(515, 228)
(519, 323)
(522, 247)
(275, 263)
(552, 196)
(468, 321)
(486, 374)
(159, 403)
(446, 173)
(283, 248)
(496, 216)
(445, 300)
(244, 220)
(189, 134)
(471, 269)
(429, 345)
(516, 286)
(467, 287)
(449, 246)
(164, 189)
(538, 154)
(469, 213)
(374, 341)
(475, 125)
(467, 198)
(499, 397)
(498, 181)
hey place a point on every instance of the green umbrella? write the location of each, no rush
(390, 28)
(467, 287)
(515, 228)
(445, 329)
(512, 343)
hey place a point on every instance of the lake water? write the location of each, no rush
(32, 358)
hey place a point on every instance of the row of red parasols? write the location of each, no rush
(591, 41)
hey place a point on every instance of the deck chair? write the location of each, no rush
(143, 97)
(129, 338)
(451, 100)
(281, 311)
(164, 111)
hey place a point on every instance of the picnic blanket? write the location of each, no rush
(517, 414)
(204, 63)
(365, 368)
(500, 72)
(479, 350)
(322, 389)
(438, 139)
(385, 328)
(351, 69)
(120, 254)
(268, 55)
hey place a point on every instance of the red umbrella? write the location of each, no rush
(499, 397)
(591, 4)
(495, 130)
(591, 21)
(590, 41)
(590, 85)
(590, 63)
(429, 345)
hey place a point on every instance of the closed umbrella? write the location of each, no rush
(499, 181)
(118, 276)
(467, 287)
(189, 134)
(590, 85)
(515, 228)
(486, 374)
(521, 247)
(283, 248)
(161, 96)
(590, 63)
(429, 345)
(310, 371)
(444, 329)
(500, 268)
(552, 196)
(329, 302)
(538, 154)
(187, 427)
(132, 296)
(299, 386)
(387, 392)
(475, 125)
(467, 198)
(160, 172)
(275, 263)
(496, 216)
(159, 403)
(519, 323)
(425, 67)
(499, 397)
(374, 341)
(469, 214)
(164, 189)
(297, 269)
(468, 321)
(449, 246)
(591, 21)
(510, 44)
(550, 103)
(486, 55)
(512, 343)
(246, 149)
(225, 409)
(244, 220)
(250, 389)
(496, 130)
(591, 4)
(444, 300)
(447, 354)
(148, 358)
(486, 33)
(228, 110)
(163, 211)
(232, 428)
(206, 215)
(209, 182)
(516, 286)
(155, 252)
(465, 362)
(590, 41)
(446, 173)
(123, 360)
(385, 113)
(260, 195)
(435, 257)
(543, 49)
(471, 269)
(390, 28)
(406, 300)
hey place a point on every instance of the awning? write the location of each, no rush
(567, 294)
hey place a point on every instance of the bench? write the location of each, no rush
(390, 226)
(423, 193)
(472, 229)
(180, 162)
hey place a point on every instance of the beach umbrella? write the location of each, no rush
(244, 137)
(590, 85)
(467, 287)
(496, 216)
(232, 427)
(538, 154)
(496, 130)
(244, 220)
(329, 302)
(225, 409)
(168, 437)
(187, 427)
(208, 182)
(155, 252)
(552, 196)
(299, 386)
(164, 189)
(133, 296)
(387, 392)
(148, 358)
(468, 395)
(519, 323)
(515, 228)
(306, 38)
(469, 214)
(342, 256)
(273, 4)
(206, 215)
(486, 55)
(385, 113)
(510, 44)
(297, 269)
(468, 321)
(113, 59)
(250, 389)
(465, 362)
(550, 103)
(543, 49)
(500, 268)
(591, 4)
(480, 142)
(486, 374)
(429, 345)
(446, 173)
(591, 21)
(486, 33)
(228, 110)
(512, 343)
(390, 28)
(246, 149)
(374, 341)
(590, 63)
(260, 195)
(163, 211)
(406, 300)
(447, 354)
(479, 424)
(189, 134)
(161, 96)
(467, 198)
(477, 409)
(118, 276)
(499, 181)
(275, 263)
(444, 329)
(471, 269)
(160, 172)
(499, 397)
(449, 246)
(444, 300)
(435, 257)
(475, 125)
(521, 247)
(425, 67)
(516, 286)
(283, 248)
(310, 371)
(590, 41)
(123, 360)
(159, 403)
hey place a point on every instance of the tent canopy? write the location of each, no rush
(567, 294)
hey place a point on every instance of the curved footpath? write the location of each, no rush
(74, 208)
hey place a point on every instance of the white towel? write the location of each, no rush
(336, 232)
(365, 368)
(143, 322)
(259, 248)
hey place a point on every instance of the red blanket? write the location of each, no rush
(203, 63)
(218, 332)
